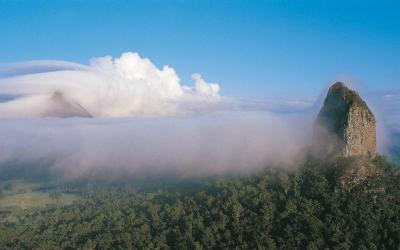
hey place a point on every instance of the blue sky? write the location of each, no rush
(252, 48)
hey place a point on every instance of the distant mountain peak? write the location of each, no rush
(63, 108)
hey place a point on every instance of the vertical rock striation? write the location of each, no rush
(345, 125)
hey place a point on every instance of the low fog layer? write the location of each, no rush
(125, 116)
(196, 146)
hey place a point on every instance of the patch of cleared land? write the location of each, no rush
(22, 195)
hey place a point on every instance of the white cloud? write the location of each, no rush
(128, 86)
(208, 89)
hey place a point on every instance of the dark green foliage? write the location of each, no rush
(274, 209)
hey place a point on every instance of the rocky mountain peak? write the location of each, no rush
(345, 126)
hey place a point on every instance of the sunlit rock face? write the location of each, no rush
(345, 126)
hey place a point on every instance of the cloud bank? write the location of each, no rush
(144, 121)
(128, 86)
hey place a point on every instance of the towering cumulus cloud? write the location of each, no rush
(128, 86)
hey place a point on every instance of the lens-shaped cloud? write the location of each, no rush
(128, 86)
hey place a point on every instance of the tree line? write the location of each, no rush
(302, 208)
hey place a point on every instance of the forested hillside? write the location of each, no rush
(302, 208)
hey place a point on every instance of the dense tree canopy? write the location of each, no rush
(303, 208)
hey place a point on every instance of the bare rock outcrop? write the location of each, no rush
(345, 126)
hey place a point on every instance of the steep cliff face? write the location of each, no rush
(345, 126)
